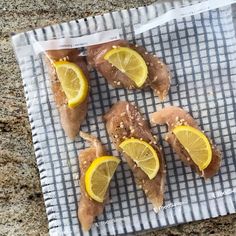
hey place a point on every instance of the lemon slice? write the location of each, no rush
(73, 82)
(143, 154)
(99, 175)
(129, 62)
(196, 144)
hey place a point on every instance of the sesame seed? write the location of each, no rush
(76, 176)
(84, 162)
(146, 191)
(118, 83)
(136, 45)
(123, 114)
(141, 139)
(114, 46)
(155, 210)
(188, 159)
(116, 136)
(146, 53)
(140, 124)
(176, 118)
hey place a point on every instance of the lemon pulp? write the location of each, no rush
(196, 144)
(129, 62)
(143, 154)
(99, 175)
(73, 82)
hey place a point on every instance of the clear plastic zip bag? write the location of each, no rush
(199, 50)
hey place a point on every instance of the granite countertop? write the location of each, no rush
(22, 210)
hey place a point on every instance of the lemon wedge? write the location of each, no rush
(99, 175)
(143, 154)
(73, 82)
(196, 144)
(129, 62)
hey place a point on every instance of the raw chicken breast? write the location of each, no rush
(124, 120)
(71, 118)
(88, 208)
(174, 116)
(158, 73)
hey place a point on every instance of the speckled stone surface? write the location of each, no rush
(22, 210)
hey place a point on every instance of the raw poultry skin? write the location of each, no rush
(88, 208)
(123, 121)
(173, 116)
(158, 73)
(71, 118)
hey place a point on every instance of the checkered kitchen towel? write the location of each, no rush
(200, 51)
